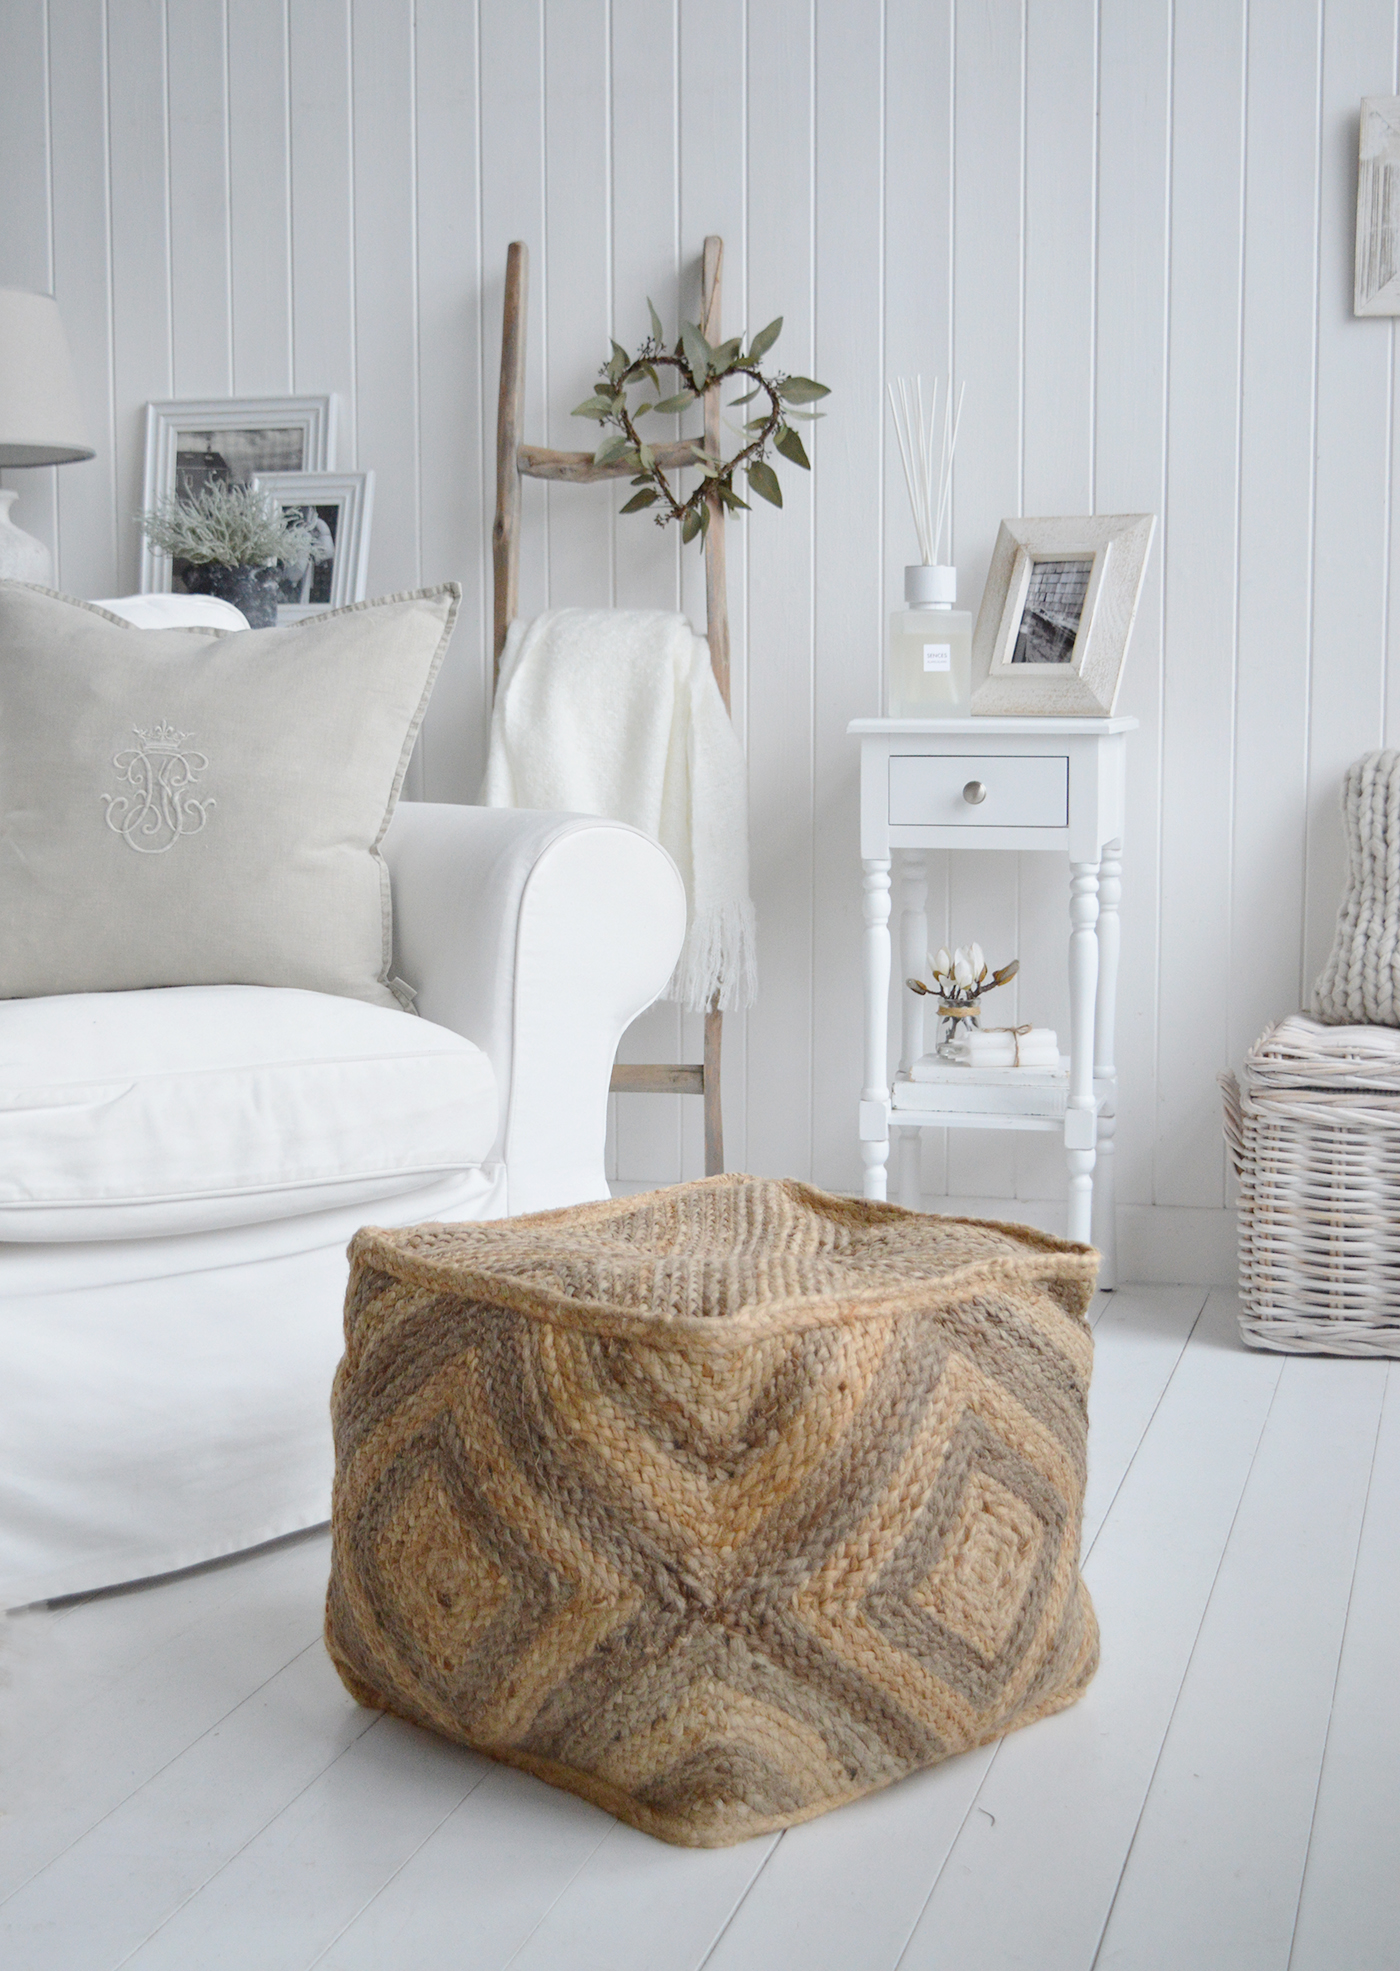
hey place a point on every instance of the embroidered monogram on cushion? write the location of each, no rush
(161, 809)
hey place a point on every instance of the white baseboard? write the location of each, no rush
(1161, 1245)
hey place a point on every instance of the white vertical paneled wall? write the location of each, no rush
(1127, 226)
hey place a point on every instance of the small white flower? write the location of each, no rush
(941, 964)
(962, 969)
(979, 963)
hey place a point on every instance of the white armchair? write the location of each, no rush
(180, 1172)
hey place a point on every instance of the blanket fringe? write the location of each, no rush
(718, 964)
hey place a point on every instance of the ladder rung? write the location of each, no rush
(660, 1078)
(539, 462)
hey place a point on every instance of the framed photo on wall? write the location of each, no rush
(337, 507)
(1057, 613)
(1376, 288)
(189, 442)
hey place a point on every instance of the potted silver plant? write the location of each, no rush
(233, 541)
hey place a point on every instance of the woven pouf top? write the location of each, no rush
(720, 1506)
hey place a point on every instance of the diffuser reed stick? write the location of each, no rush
(914, 429)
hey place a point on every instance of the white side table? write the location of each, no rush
(997, 783)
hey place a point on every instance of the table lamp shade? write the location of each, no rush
(41, 421)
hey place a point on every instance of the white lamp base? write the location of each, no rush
(22, 558)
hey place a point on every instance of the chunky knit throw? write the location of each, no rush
(616, 712)
(1360, 983)
(720, 1506)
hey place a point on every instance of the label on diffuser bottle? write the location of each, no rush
(938, 656)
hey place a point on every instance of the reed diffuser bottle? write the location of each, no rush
(929, 672)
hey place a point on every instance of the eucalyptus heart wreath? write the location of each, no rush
(699, 367)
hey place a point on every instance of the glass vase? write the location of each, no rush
(951, 1021)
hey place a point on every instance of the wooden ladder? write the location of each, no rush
(514, 461)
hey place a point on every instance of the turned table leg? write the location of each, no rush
(913, 957)
(875, 1094)
(913, 952)
(1105, 1073)
(1080, 1115)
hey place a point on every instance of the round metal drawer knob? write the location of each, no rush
(975, 792)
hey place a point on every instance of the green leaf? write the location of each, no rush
(657, 331)
(619, 354)
(612, 448)
(747, 397)
(801, 390)
(646, 458)
(697, 353)
(726, 353)
(670, 405)
(808, 417)
(763, 480)
(642, 410)
(765, 339)
(690, 526)
(705, 518)
(791, 447)
(639, 500)
(647, 370)
(756, 423)
(594, 406)
(731, 499)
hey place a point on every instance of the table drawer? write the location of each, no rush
(927, 791)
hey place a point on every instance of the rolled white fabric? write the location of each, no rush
(1003, 1047)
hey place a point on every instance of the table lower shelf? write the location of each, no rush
(963, 1119)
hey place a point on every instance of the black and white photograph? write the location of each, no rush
(335, 508)
(191, 443)
(311, 583)
(235, 457)
(1052, 610)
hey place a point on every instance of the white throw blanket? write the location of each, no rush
(616, 712)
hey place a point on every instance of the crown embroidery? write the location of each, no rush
(160, 769)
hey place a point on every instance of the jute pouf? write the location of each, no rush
(720, 1506)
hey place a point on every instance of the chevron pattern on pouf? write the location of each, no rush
(720, 1506)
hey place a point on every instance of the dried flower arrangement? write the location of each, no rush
(699, 367)
(960, 981)
(229, 526)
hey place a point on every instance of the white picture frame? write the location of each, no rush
(238, 436)
(343, 503)
(1376, 289)
(1056, 615)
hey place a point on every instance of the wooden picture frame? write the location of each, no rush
(1057, 613)
(231, 438)
(343, 505)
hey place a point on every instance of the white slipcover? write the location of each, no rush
(164, 1393)
(288, 1102)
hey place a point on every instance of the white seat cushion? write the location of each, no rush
(189, 1108)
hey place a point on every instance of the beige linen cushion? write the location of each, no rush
(205, 807)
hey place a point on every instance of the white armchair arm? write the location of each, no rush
(540, 937)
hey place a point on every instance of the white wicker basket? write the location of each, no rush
(1315, 1135)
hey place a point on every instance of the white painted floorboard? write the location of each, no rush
(186, 1784)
